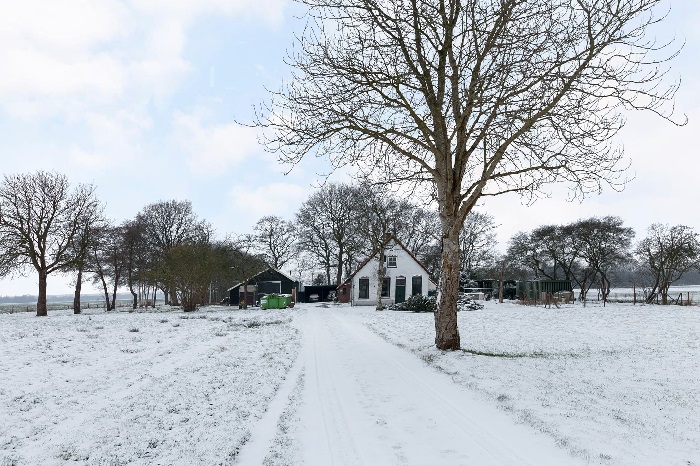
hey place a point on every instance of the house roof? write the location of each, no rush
(376, 251)
(260, 273)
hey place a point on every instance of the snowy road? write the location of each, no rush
(367, 402)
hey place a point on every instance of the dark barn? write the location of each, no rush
(266, 282)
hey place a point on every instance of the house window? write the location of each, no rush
(392, 261)
(345, 291)
(417, 285)
(386, 286)
(364, 288)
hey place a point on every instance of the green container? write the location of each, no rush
(273, 301)
(287, 300)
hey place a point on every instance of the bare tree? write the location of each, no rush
(167, 224)
(469, 98)
(137, 259)
(526, 252)
(380, 215)
(477, 241)
(40, 219)
(108, 262)
(194, 268)
(419, 231)
(275, 240)
(667, 253)
(83, 242)
(603, 244)
(327, 227)
(243, 262)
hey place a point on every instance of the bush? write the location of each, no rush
(465, 303)
(417, 303)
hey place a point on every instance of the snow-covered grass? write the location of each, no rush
(618, 385)
(138, 388)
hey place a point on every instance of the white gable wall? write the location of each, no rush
(406, 266)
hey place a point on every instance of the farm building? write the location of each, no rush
(534, 289)
(488, 288)
(404, 275)
(316, 293)
(265, 282)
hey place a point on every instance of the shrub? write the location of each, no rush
(417, 303)
(465, 303)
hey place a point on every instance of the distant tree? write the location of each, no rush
(527, 254)
(275, 240)
(477, 241)
(167, 224)
(604, 244)
(108, 262)
(83, 242)
(504, 267)
(193, 268)
(40, 219)
(138, 261)
(667, 253)
(379, 215)
(419, 230)
(318, 279)
(327, 228)
(243, 262)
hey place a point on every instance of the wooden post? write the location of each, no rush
(634, 294)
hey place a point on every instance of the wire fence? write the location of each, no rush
(10, 308)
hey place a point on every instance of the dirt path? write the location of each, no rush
(367, 402)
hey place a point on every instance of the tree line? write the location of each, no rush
(50, 227)
(598, 251)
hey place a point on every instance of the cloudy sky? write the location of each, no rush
(140, 97)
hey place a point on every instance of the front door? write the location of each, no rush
(400, 295)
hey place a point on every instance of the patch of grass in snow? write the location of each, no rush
(9, 461)
(133, 329)
(162, 321)
(534, 354)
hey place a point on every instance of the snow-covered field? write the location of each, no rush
(618, 385)
(138, 388)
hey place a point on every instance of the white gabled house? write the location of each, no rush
(404, 275)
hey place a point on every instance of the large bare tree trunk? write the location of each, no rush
(339, 271)
(78, 287)
(380, 278)
(41, 309)
(446, 332)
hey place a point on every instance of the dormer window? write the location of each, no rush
(391, 261)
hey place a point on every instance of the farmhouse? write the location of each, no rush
(265, 282)
(404, 275)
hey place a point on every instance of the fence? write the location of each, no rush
(676, 295)
(60, 306)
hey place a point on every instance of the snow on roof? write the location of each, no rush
(262, 271)
(376, 251)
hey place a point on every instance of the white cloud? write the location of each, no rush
(280, 199)
(215, 148)
(104, 52)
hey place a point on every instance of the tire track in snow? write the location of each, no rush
(373, 403)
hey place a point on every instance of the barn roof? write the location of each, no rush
(262, 272)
